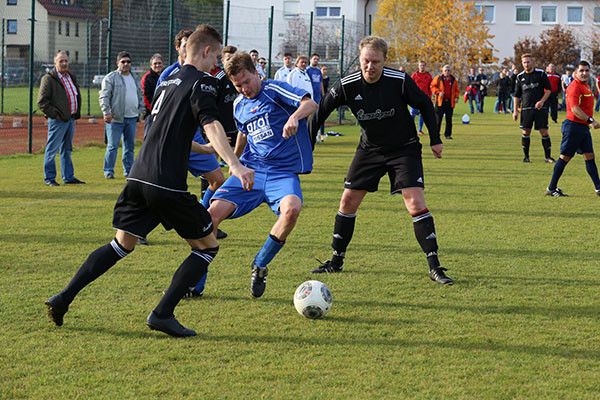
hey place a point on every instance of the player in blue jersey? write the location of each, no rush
(271, 120)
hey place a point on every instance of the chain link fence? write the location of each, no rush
(92, 32)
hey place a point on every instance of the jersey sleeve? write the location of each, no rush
(285, 93)
(204, 100)
(518, 89)
(333, 99)
(546, 82)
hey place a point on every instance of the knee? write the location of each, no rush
(290, 213)
(348, 205)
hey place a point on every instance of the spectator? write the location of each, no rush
(566, 80)
(597, 94)
(60, 101)
(502, 91)
(473, 91)
(423, 80)
(316, 78)
(149, 81)
(554, 79)
(512, 77)
(446, 92)
(483, 82)
(259, 68)
(298, 77)
(122, 102)
(283, 72)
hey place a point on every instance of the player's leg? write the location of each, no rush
(592, 170)
(541, 124)
(215, 179)
(414, 199)
(193, 223)
(568, 146)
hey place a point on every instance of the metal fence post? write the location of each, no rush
(87, 63)
(310, 31)
(270, 42)
(2, 72)
(171, 24)
(30, 112)
(227, 22)
(370, 23)
(341, 63)
(109, 35)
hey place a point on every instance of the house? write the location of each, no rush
(60, 25)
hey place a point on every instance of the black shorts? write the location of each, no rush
(141, 207)
(531, 115)
(232, 135)
(404, 168)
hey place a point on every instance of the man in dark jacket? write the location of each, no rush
(60, 101)
(149, 81)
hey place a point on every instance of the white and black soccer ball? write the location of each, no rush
(313, 299)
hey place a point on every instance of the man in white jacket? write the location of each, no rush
(298, 77)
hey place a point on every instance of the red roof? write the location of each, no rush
(61, 10)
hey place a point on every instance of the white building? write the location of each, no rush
(510, 21)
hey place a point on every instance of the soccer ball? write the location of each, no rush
(312, 299)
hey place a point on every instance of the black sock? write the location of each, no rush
(203, 185)
(187, 275)
(425, 234)
(547, 145)
(95, 265)
(525, 141)
(590, 166)
(342, 234)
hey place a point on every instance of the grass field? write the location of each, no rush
(16, 101)
(521, 322)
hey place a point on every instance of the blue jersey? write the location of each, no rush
(315, 78)
(262, 119)
(170, 70)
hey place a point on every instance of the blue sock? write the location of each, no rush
(590, 166)
(200, 286)
(206, 199)
(420, 123)
(559, 167)
(268, 251)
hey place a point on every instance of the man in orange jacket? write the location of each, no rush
(445, 89)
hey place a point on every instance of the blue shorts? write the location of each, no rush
(201, 163)
(268, 188)
(576, 139)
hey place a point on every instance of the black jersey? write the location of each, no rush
(529, 87)
(181, 102)
(227, 94)
(381, 110)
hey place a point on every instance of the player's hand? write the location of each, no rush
(290, 128)
(515, 115)
(108, 118)
(245, 175)
(595, 124)
(539, 105)
(437, 150)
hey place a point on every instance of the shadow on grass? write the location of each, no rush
(54, 195)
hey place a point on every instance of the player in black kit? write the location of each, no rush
(532, 89)
(378, 97)
(156, 188)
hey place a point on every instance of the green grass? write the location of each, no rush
(521, 322)
(16, 101)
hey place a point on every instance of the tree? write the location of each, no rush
(438, 31)
(557, 45)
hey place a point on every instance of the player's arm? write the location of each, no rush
(416, 98)
(579, 113)
(332, 100)
(547, 92)
(307, 107)
(240, 144)
(202, 148)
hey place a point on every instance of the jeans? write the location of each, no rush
(509, 102)
(114, 132)
(477, 104)
(60, 138)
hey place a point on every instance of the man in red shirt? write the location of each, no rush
(576, 131)
(552, 102)
(423, 80)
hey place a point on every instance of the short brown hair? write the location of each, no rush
(300, 57)
(205, 35)
(229, 50)
(184, 33)
(526, 55)
(239, 62)
(374, 42)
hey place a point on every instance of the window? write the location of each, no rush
(291, 9)
(328, 9)
(76, 56)
(487, 10)
(574, 15)
(11, 2)
(523, 14)
(11, 27)
(67, 28)
(77, 29)
(597, 15)
(548, 14)
(60, 27)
